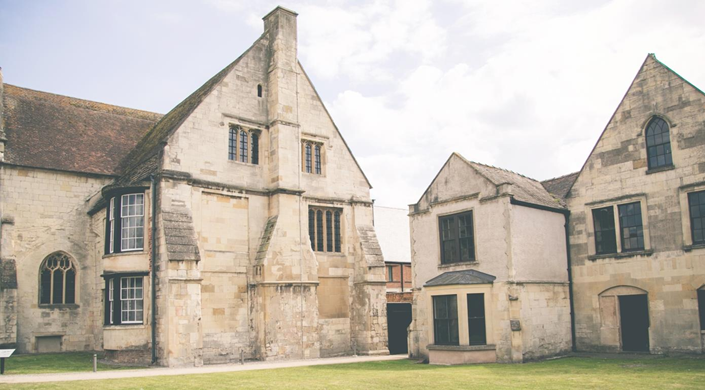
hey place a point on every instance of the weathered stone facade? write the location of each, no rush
(227, 241)
(519, 242)
(669, 269)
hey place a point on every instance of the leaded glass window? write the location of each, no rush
(658, 143)
(445, 320)
(232, 144)
(57, 280)
(243, 146)
(696, 205)
(605, 241)
(324, 229)
(631, 227)
(457, 238)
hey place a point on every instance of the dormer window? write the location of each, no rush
(312, 153)
(243, 145)
(658, 143)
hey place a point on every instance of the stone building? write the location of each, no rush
(237, 225)
(636, 232)
(489, 267)
(633, 219)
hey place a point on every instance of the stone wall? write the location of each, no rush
(669, 269)
(48, 210)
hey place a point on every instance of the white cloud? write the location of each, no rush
(534, 101)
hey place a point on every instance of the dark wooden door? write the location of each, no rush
(398, 320)
(634, 319)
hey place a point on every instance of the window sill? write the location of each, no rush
(622, 255)
(660, 169)
(59, 306)
(461, 263)
(125, 326)
(436, 347)
(249, 164)
(688, 248)
(126, 253)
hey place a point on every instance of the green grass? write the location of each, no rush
(54, 362)
(569, 373)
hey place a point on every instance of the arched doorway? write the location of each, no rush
(632, 304)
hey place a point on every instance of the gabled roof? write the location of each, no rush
(58, 132)
(650, 56)
(154, 140)
(559, 186)
(469, 276)
(524, 189)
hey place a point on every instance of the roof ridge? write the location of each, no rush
(92, 105)
(503, 169)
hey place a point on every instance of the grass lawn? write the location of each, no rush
(54, 362)
(569, 373)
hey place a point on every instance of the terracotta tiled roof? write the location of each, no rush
(560, 186)
(51, 131)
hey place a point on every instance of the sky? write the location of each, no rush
(524, 85)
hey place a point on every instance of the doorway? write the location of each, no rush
(634, 322)
(398, 320)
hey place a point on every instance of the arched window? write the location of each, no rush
(658, 143)
(57, 280)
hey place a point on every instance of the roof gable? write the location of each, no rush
(648, 65)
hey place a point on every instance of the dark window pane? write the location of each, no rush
(243, 146)
(232, 144)
(476, 319)
(337, 231)
(329, 231)
(605, 241)
(701, 308)
(307, 158)
(456, 235)
(312, 228)
(255, 148)
(630, 223)
(317, 159)
(45, 287)
(445, 319)
(58, 287)
(70, 286)
(319, 231)
(658, 143)
(696, 203)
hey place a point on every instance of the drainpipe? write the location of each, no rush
(153, 189)
(570, 283)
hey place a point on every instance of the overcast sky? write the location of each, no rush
(523, 85)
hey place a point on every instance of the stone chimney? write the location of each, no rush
(282, 101)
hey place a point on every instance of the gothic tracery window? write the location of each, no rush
(57, 280)
(312, 156)
(658, 143)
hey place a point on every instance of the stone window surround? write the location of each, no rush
(342, 238)
(313, 140)
(437, 222)
(642, 134)
(77, 286)
(461, 291)
(683, 192)
(250, 130)
(117, 317)
(615, 202)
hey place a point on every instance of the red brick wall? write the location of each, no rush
(396, 273)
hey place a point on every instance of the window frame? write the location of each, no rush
(390, 273)
(243, 144)
(692, 228)
(653, 124)
(615, 203)
(114, 222)
(454, 219)
(437, 322)
(701, 306)
(639, 228)
(312, 157)
(322, 227)
(44, 265)
(602, 232)
(114, 303)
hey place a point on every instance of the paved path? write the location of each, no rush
(210, 369)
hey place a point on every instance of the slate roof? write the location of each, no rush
(524, 188)
(51, 131)
(469, 276)
(560, 186)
